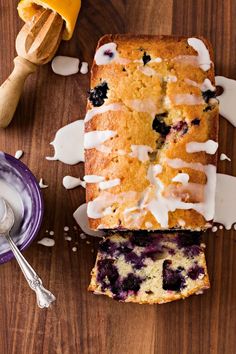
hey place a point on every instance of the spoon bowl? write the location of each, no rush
(6, 224)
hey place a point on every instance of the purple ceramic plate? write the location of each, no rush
(28, 188)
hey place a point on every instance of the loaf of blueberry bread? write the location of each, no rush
(132, 267)
(151, 134)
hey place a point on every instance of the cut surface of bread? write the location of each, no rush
(160, 268)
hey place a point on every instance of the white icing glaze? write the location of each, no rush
(80, 216)
(181, 177)
(140, 152)
(109, 184)
(224, 157)
(107, 53)
(97, 207)
(70, 182)
(46, 241)
(42, 185)
(225, 213)
(204, 59)
(181, 222)
(209, 146)
(205, 86)
(68, 143)
(227, 98)
(95, 138)
(19, 154)
(153, 170)
(148, 225)
(156, 60)
(84, 68)
(170, 78)
(146, 70)
(106, 150)
(65, 66)
(2, 209)
(145, 105)
(93, 179)
(103, 109)
(214, 228)
(161, 205)
(186, 99)
(13, 198)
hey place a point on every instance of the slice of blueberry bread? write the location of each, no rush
(154, 269)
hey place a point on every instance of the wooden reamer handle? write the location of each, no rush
(11, 89)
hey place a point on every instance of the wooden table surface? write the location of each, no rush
(80, 322)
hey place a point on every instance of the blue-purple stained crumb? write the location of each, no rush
(146, 58)
(160, 126)
(180, 127)
(190, 243)
(172, 278)
(107, 273)
(107, 247)
(108, 53)
(98, 94)
(131, 283)
(207, 95)
(195, 271)
(188, 239)
(196, 121)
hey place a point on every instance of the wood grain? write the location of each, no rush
(81, 322)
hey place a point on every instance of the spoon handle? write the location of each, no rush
(44, 297)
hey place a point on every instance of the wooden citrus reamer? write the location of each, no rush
(36, 44)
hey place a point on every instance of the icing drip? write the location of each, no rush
(146, 105)
(93, 179)
(70, 182)
(109, 184)
(68, 143)
(170, 78)
(46, 241)
(186, 99)
(160, 205)
(140, 152)
(84, 68)
(181, 177)
(80, 216)
(65, 66)
(107, 53)
(227, 98)
(103, 109)
(204, 59)
(224, 157)
(42, 185)
(98, 207)
(19, 154)
(209, 146)
(205, 86)
(225, 200)
(146, 70)
(95, 138)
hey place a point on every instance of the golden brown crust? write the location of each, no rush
(132, 173)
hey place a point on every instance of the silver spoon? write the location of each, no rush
(44, 297)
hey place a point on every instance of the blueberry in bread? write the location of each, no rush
(132, 267)
(151, 134)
